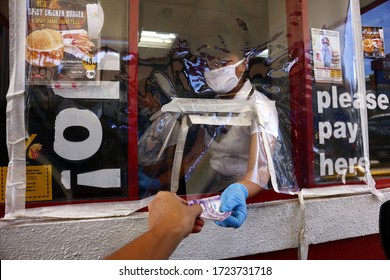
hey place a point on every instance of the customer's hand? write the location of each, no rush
(170, 220)
(169, 211)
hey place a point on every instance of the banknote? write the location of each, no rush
(210, 208)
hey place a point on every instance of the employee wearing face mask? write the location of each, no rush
(238, 157)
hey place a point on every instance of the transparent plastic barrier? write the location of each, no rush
(211, 133)
(68, 116)
(314, 122)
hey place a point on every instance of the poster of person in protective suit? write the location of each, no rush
(326, 56)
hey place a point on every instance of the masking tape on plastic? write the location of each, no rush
(82, 211)
(193, 105)
(89, 90)
(230, 120)
(179, 152)
(16, 175)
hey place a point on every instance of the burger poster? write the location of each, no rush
(326, 56)
(373, 42)
(62, 38)
(76, 122)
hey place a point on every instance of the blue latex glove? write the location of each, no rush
(233, 198)
(147, 185)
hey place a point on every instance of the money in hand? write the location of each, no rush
(210, 208)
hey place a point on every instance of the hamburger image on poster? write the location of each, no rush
(44, 48)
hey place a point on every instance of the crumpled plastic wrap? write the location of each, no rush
(212, 160)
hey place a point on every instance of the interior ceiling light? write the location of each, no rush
(159, 40)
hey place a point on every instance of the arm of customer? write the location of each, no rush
(170, 221)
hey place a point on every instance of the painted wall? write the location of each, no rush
(271, 226)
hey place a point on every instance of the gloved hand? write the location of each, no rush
(147, 185)
(233, 198)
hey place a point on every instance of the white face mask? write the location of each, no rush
(224, 79)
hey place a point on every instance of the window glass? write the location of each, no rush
(194, 131)
(376, 42)
(4, 82)
(338, 147)
(76, 100)
(190, 96)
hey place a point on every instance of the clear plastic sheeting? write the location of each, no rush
(224, 123)
(220, 127)
(155, 149)
(239, 139)
(68, 123)
(76, 103)
(307, 65)
(4, 84)
(339, 100)
(230, 144)
(16, 179)
(187, 98)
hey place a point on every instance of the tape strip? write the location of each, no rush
(16, 176)
(166, 141)
(357, 27)
(178, 158)
(303, 244)
(89, 90)
(193, 105)
(82, 211)
(213, 120)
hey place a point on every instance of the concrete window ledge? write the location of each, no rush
(271, 226)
